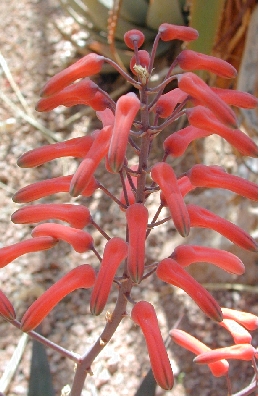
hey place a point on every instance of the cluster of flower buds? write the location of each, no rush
(132, 123)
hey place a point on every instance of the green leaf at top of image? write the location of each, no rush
(205, 16)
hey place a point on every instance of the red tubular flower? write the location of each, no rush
(190, 60)
(81, 277)
(99, 102)
(216, 176)
(134, 36)
(77, 93)
(200, 217)
(185, 186)
(202, 117)
(106, 117)
(198, 89)
(88, 166)
(6, 308)
(170, 32)
(78, 216)
(167, 102)
(10, 253)
(144, 315)
(238, 332)
(189, 254)
(77, 147)
(248, 320)
(144, 59)
(116, 250)
(176, 144)
(197, 347)
(126, 109)
(80, 240)
(239, 352)
(87, 66)
(48, 187)
(171, 272)
(164, 176)
(137, 219)
(236, 98)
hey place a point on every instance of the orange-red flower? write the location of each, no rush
(171, 272)
(197, 347)
(144, 315)
(137, 219)
(164, 176)
(44, 188)
(79, 239)
(167, 102)
(190, 60)
(116, 250)
(126, 109)
(170, 32)
(78, 216)
(189, 254)
(81, 277)
(202, 117)
(246, 319)
(238, 332)
(198, 89)
(77, 147)
(239, 352)
(10, 253)
(134, 38)
(236, 98)
(87, 66)
(200, 217)
(216, 177)
(88, 166)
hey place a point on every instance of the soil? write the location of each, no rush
(34, 50)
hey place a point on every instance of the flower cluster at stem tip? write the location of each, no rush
(133, 122)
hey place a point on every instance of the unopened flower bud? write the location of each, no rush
(137, 219)
(134, 36)
(81, 277)
(170, 32)
(79, 239)
(6, 308)
(171, 272)
(144, 315)
(116, 250)
(238, 352)
(164, 176)
(167, 102)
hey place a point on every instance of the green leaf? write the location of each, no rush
(164, 11)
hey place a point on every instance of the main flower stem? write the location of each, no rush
(84, 365)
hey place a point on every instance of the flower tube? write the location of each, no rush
(239, 352)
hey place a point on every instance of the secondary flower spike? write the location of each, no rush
(202, 117)
(87, 66)
(88, 166)
(77, 147)
(189, 254)
(144, 315)
(200, 217)
(10, 253)
(137, 219)
(77, 93)
(190, 60)
(126, 109)
(164, 176)
(79, 239)
(170, 32)
(216, 177)
(238, 332)
(239, 352)
(116, 250)
(6, 308)
(81, 277)
(246, 319)
(78, 216)
(171, 272)
(198, 89)
(197, 347)
(48, 187)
